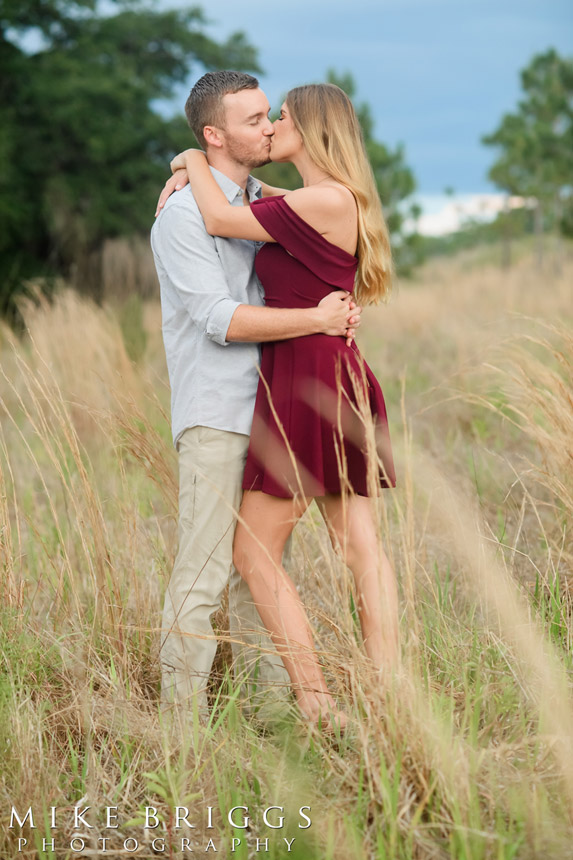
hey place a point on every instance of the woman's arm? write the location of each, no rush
(221, 219)
(324, 208)
(179, 179)
(177, 164)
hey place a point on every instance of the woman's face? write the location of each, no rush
(286, 141)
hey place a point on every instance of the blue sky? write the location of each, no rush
(437, 73)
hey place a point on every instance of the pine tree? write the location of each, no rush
(536, 143)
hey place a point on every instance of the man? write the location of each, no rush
(213, 321)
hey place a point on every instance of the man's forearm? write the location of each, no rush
(254, 324)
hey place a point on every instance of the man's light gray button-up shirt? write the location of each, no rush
(203, 280)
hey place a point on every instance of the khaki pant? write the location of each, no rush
(211, 465)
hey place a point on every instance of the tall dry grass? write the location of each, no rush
(467, 754)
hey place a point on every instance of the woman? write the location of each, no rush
(313, 435)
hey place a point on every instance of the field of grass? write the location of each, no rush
(468, 754)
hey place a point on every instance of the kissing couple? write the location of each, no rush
(273, 404)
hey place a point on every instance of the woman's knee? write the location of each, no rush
(260, 537)
(252, 556)
(358, 547)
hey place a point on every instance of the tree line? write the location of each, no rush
(84, 146)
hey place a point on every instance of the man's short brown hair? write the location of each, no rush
(205, 103)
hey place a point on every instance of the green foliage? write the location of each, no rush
(49, 16)
(535, 142)
(82, 146)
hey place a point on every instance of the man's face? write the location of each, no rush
(248, 131)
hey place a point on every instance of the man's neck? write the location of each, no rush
(236, 172)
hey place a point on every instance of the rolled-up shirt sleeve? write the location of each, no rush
(191, 261)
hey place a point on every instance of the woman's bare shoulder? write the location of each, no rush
(328, 199)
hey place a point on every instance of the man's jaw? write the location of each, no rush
(264, 158)
(260, 163)
(234, 160)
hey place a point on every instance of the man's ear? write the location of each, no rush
(213, 136)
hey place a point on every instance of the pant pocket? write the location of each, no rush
(187, 499)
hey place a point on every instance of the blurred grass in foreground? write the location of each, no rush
(469, 754)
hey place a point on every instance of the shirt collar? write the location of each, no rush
(231, 190)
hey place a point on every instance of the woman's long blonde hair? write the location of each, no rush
(326, 120)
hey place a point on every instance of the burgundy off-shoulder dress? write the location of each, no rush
(308, 436)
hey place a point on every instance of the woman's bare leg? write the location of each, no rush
(352, 528)
(264, 526)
